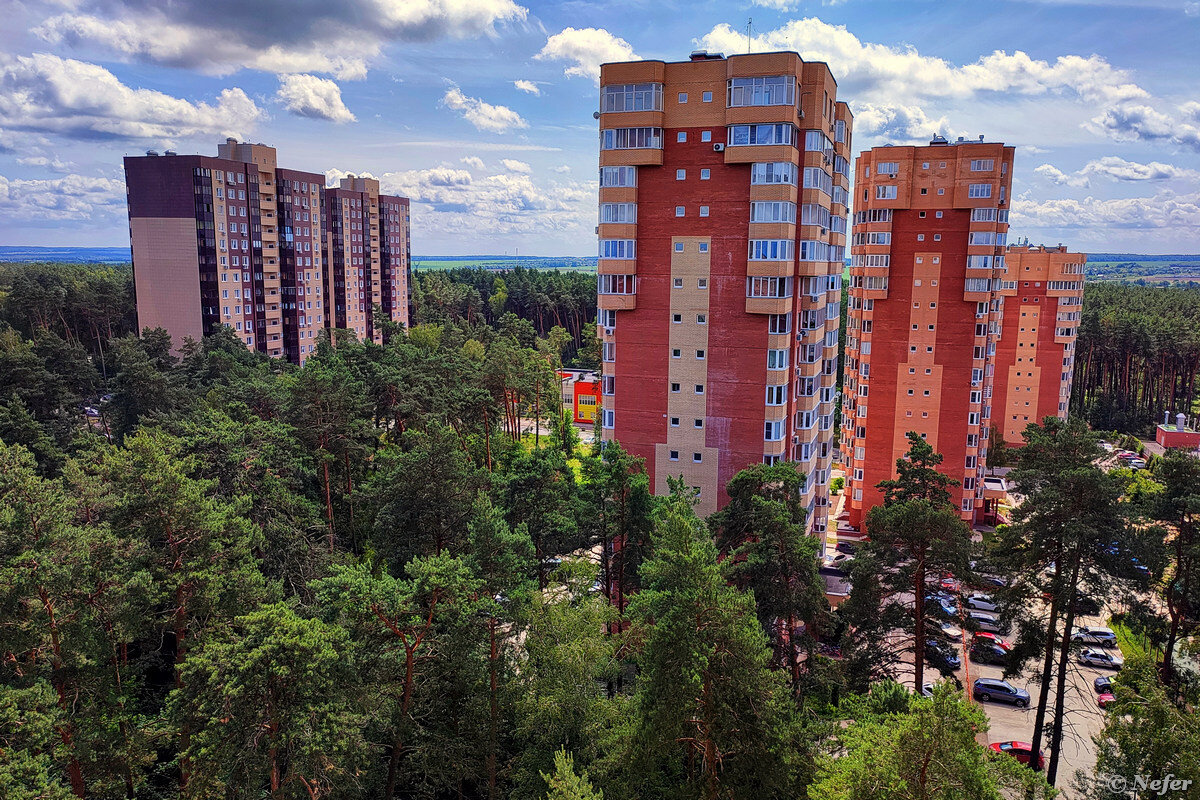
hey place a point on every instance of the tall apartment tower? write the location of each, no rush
(1035, 359)
(723, 194)
(926, 302)
(236, 240)
(366, 252)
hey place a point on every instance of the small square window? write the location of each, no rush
(706, 97)
(676, 353)
(704, 247)
(925, 165)
(704, 211)
(680, 210)
(677, 283)
(700, 354)
(674, 422)
(705, 174)
(681, 136)
(680, 174)
(701, 319)
(941, 191)
(702, 283)
(937, 237)
(674, 387)
(921, 214)
(920, 237)
(937, 214)
(699, 388)
(677, 318)
(706, 136)
(697, 457)
(679, 247)
(924, 190)
(674, 455)
(697, 423)
(683, 97)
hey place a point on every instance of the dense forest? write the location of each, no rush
(374, 576)
(1137, 355)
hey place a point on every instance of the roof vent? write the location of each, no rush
(938, 139)
(171, 153)
(231, 140)
(704, 55)
(151, 152)
(962, 138)
(981, 137)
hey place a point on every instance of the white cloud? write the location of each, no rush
(1060, 178)
(46, 93)
(1118, 169)
(562, 169)
(484, 116)
(898, 123)
(1126, 122)
(474, 162)
(222, 36)
(588, 48)
(1165, 210)
(310, 96)
(71, 197)
(46, 162)
(512, 165)
(527, 86)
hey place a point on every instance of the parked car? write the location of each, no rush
(940, 654)
(991, 638)
(1086, 605)
(1105, 700)
(988, 622)
(1103, 685)
(981, 602)
(927, 690)
(951, 584)
(1021, 751)
(1137, 463)
(1094, 657)
(849, 548)
(1094, 635)
(987, 689)
(949, 630)
(992, 581)
(838, 559)
(1139, 566)
(985, 653)
(946, 605)
(832, 570)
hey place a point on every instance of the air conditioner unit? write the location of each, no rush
(609, 331)
(718, 147)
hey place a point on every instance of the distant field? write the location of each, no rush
(1152, 269)
(579, 264)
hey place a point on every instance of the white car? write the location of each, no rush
(1095, 635)
(981, 602)
(1100, 658)
(949, 629)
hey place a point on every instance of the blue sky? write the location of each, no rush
(481, 110)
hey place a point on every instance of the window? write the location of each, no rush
(773, 430)
(779, 323)
(706, 97)
(702, 283)
(778, 133)
(617, 248)
(677, 319)
(776, 395)
(677, 283)
(630, 138)
(679, 247)
(885, 192)
(700, 355)
(674, 387)
(773, 172)
(705, 174)
(683, 97)
(703, 249)
(773, 212)
(618, 176)
(772, 250)
(777, 359)
(674, 455)
(887, 167)
(699, 388)
(680, 174)
(674, 422)
(608, 418)
(701, 319)
(631, 97)
(775, 90)
(706, 136)
(817, 178)
(618, 212)
(681, 136)
(680, 211)
(977, 190)
(676, 353)
(817, 142)
(982, 165)
(616, 284)
(697, 423)
(704, 211)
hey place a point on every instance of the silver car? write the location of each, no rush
(1093, 657)
(1094, 635)
(981, 602)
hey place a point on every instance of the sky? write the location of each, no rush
(480, 111)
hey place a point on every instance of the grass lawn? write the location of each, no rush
(1131, 643)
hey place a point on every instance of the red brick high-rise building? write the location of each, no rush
(925, 309)
(1035, 359)
(236, 240)
(723, 194)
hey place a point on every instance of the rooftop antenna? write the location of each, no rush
(749, 28)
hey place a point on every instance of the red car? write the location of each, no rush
(1021, 751)
(1103, 700)
(992, 638)
(951, 584)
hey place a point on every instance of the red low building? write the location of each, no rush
(587, 399)
(1178, 435)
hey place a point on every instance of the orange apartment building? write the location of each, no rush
(926, 302)
(236, 240)
(1035, 358)
(723, 197)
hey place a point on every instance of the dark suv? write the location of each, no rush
(988, 689)
(941, 654)
(989, 653)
